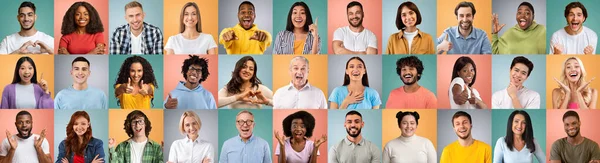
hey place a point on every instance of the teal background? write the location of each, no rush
(318, 9)
(152, 8)
(536, 80)
(263, 128)
(428, 9)
(538, 118)
(264, 65)
(115, 62)
(337, 132)
(98, 123)
(10, 24)
(556, 20)
(391, 80)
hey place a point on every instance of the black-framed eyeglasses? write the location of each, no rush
(197, 70)
(139, 122)
(248, 122)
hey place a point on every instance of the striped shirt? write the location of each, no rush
(284, 43)
(152, 40)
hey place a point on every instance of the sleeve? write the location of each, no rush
(44, 101)
(432, 103)
(159, 158)
(104, 101)
(173, 152)
(263, 45)
(99, 38)
(323, 101)
(534, 102)
(431, 46)
(375, 99)
(4, 148)
(319, 45)
(486, 47)
(211, 42)
(553, 40)
(170, 42)
(372, 41)
(595, 151)
(225, 100)
(115, 43)
(431, 153)
(211, 153)
(555, 151)
(445, 158)
(276, 150)
(158, 42)
(267, 93)
(277, 44)
(45, 146)
(335, 96)
(594, 41)
(495, 44)
(57, 100)
(338, 34)
(499, 151)
(64, 41)
(267, 153)
(387, 153)
(332, 155)
(61, 152)
(540, 155)
(115, 154)
(100, 150)
(5, 99)
(488, 153)
(496, 102)
(223, 156)
(4, 47)
(211, 101)
(390, 45)
(376, 153)
(225, 44)
(477, 95)
(441, 37)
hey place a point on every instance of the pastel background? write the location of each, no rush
(43, 23)
(483, 81)
(555, 130)
(507, 11)
(318, 10)
(427, 8)
(263, 70)
(209, 126)
(152, 8)
(98, 123)
(319, 130)
(228, 10)
(337, 69)
(538, 120)
(172, 73)
(115, 63)
(209, 16)
(589, 62)
(98, 72)
(391, 80)
(480, 130)
(60, 9)
(535, 81)
(43, 63)
(316, 76)
(338, 17)
(118, 117)
(560, 21)
(427, 127)
(42, 119)
(371, 131)
(263, 126)
(482, 19)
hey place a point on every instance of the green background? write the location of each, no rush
(556, 19)
(44, 22)
(391, 80)
(538, 118)
(318, 9)
(263, 128)
(115, 62)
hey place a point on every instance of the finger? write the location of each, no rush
(129, 81)
(501, 27)
(316, 20)
(96, 156)
(170, 96)
(42, 76)
(446, 38)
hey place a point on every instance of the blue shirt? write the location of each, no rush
(370, 98)
(198, 98)
(94, 147)
(255, 150)
(476, 43)
(90, 98)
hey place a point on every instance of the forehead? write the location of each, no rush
(519, 117)
(405, 9)
(80, 64)
(572, 61)
(25, 10)
(136, 65)
(298, 7)
(460, 119)
(575, 10)
(24, 117)
(190, 9)
(246, 7)
(297, 120)
(408, 118)
(524, 7)
(521, 67)
(249, 63)
(570, 119)
(245, 116)
(354, 9)
(133, 10)
(465, 10)
(353, 117)
(355, 62)
(299, 62)
(26, 63)
(81, 9)
(189, 119)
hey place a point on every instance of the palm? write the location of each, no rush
(322, 140)
(279, 138)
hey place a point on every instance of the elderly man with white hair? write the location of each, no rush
(299, 94)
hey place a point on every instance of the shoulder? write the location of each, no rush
(9, 87)
(341, 29)
(121, 28)
(589, 31)
(483, 144)
(371, 90)
(154, 144)
(369, 32)
(263, 87)
(205, 36)
(283, 33)
(338, 89)
(556, 91)
(499, 93)
(531, 93)
(175, 37)
(424, 35)
(458, 80)
(44, 35)
(558, 144)
(150, 26)
(95, 141)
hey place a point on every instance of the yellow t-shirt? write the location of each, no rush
(243, 45)
(135, 101)
(478, 152)
(298, 46)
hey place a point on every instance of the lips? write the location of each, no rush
(575, 25)
(522, 22)
(193, 77)
(246, 22)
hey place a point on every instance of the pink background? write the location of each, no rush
(42, 119)
(172, 73)
(337, 18)
(320, 129)
(555, 130)
(60, 9)
(483, 82)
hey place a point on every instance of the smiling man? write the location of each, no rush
(25, 147)
(137, 36)
(354, 148)
(245, 147)
(574, 147)
(79, 95)
(190, 94)
(574, 38)
(354, 39)
(138, 148)
(299, 94)
(516, 96)
(464, 38)
(245, 37)
(28, 40)
(526, 37)
(466, 148)
(411, 95)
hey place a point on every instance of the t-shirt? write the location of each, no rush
(200, 45)
(25, 152)
(292, 155)
(136, 43)
(25, 96)
(574, 44)
(567, 153)
(137, 150)
(78, 159)
(14, 41)
(466, 105)
(409, 37)
(421, 99)
(370, 98)
(477, 152)
(135, 101)
(504, 154)
(355, 41)
(90, 98)
(529, 99)
(81, 43)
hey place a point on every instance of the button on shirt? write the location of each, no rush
(188, 150)
(255, 150)
(308, 97)
(476, 43)
(348, 152)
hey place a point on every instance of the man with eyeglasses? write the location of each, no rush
(138, 148)
(190, 94)
(246, 147)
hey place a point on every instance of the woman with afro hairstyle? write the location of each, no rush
(135, 84)
(82, 31)
(299, 127)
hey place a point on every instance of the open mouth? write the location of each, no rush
(246, 22)
(137, 130)
(193, 77)
(355, 73)
(298, 20)
(522, 22)
(573, 74)
(575, 25)
(408, 76)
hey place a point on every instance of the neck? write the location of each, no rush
(299, 30)
(24, 83)
(190, 32)
(355, 84)
(410, 29)
(191, 85)
(575, 140)
(298, 87)
(193, 137)
(517, 138)
(411, 88)
(297, 140)
(29, 32)
(466, 142)
(407, 136)
(357, 29)
(571, 32)
(80, 137)
(80, 30)
(246, 139)
(139, 139)
(465, 33)
(136, 32)
(354, 140)
(80, 87)
(246, 85)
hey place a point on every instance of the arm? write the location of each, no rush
(486, 48)
(431, 153)
(173, 153)
(120, 89)
(159, 156)
(5, 99)
(314, 155)
(332, 155)
(225, 100)
(7, 151)
(158, 43)
(44, 100)
(539, 154)
(594, 100)
(212, 51)
(316, 46)
(376, 154)
(386, 154)
(499, 151)
(115, 43)
(375, 100)
(169, 52)
(266, 43)
(338, 48)
(534, 103)
(371, 50)
(515, 101)
(495, 44)
(555, 156)
(42, 156)
(267, 154)
(61, 152)
(556, 93)
(62, 45)
(281, 155)
(372, 44)
(456, 93)
(277, 44)
(445, 158)
(226, 44)
(268, 94)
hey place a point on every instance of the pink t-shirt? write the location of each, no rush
(81, 43)
(292, 156)
(421, 99)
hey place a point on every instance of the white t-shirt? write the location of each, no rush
(25, 96)
(185, 150)
(200, 45)
(136, 43)
(467, 105)
(137, 150)
(574, 44)
(529, 99)
(409, 37)
(25, 152)
(14, 41)
(355, 41)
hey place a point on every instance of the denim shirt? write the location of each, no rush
(94, 147)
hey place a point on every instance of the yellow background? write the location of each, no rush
(555, 64)
(43, 63)
(427, 127)
(482, 19)
(209, 15)
(117, 119)
(317, 74)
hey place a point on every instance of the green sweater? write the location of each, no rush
(517, 41)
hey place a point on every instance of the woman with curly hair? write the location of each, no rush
(574, 91)
(299, 127)
(80, 146)
(135, 84)
(245, 90)
(82, 31)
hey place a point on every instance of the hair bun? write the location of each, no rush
(399, 114)
(416, 115)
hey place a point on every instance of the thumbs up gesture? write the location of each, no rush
(129, 87)
(171, 102)
(145, 90)
(43, 84)
(445, 46)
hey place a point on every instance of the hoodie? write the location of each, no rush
(197, 98)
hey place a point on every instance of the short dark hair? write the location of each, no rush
(460, 63)
(522, 60)
(307, 119)
(26, 4)
(528, 5)
(133, 115)
(461, 113)
(570, 113)
(354, 3)
(411, 6)
(246, 3)
(195, 60)
(80, 59)
(23, 112)
(354, 112)
(410, 61)
(401, 115)
(576, 5)
(290, 26)
(17, 77)
(464, 4)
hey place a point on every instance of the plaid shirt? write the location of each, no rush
(152, 153)
(152, 40)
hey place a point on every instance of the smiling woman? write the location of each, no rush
(355, 93)
(79, 145)
(461, 93)
(33, 93)
(573, 81)
(82, 31)
(245, 90)
(301, 34)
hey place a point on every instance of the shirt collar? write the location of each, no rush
(249, 140)
(401, 33)
(190, 140)
(291, 86)
(254, 27)
(348, 142)
(471, 35)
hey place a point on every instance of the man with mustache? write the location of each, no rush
(574, 147)
(190, 94)
(25, 146)
(354, 148)
(526, 37)
(464, 38)
(354, 39)
(80, 95)
(516, 96)
(137, 36)
(574, 38)
(245, 147)
(245, 37)
(411, 95)
(138, 148)
(299, 94)
(28, 40)
(465, 149)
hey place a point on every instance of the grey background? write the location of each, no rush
(98, 72)
(337, 69)
(481, 130)
(209, 120)
(228, 10)
(507, 12)
(152, 8)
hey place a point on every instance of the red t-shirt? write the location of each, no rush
(81, 43)
(78, 159)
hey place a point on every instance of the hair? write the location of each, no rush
(69, 24)
(233, 86)
(587, 91)
(303, 59)
(464, 4)
(133, 115)
(352, 4)
(189, 114)
(17, 77)
(365, 78)
(72, 143)
(80, 59)
(307, 119)
(570, 113)
(461, 63)
(195, 60)
(461, 113)
(522, 60)
(198, 25)
(23, 112)
(528, 5)
(133, 4)
(242, 112)
(411, 6)
(246, 3)
(401, 115)
(290, 26)
(576, 5)
(410, 61)
(527, 135)
(26, 4)
(354, 112)
(148, 75)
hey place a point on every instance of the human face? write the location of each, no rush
(467, 73)
(190, 17)
(408, 75)
(575, 19)
(247, 71)
(136, 72)
(572, 70)
(462, 127)
(519, 124)
(355, 69)
(465, 18)
(80, 71)
(571, 125)
(298, 129)
(138, 125)
(26, 72)
(298, 17)
(246, 16)
(194, 74)
(81, 126)
(191, 126)
(135, 18)
(518, 74)
(245, 125)
(408, 16)
(26, 18)
(353, 125)
(524, 17)
(299, 73)
(82, 16)
(408, 125)
(355, 16)
(24, 125)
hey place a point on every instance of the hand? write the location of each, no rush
(145, 90)
(62, 50)
(320, 141)
(259, 36)
(280, 138)
(38, 141)
(245, 96)
(43, 47)
(512, 90)
(496, 26)
(171, 102)
(473, 99)
(588, 49)
(64, 160)
(353, 98)
(111, 142)
(463, 97)
(129, 87)
(563, 86)
(43, 84)
(23, 48)
(594, 161)
(557, 48)
(98, 160)
(11, 140)
(206, 160)
(261, 99)
(585, 84)
(313, 28)
(97, 50)
(229, 35)
(445, 46)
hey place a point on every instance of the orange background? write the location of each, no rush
(320, 129)
(317, 76)
(60, 9)
(427, 125)
(338, 17)
(483, 82)
(555, 130)
(42, 119)
(117, 118)
(590, 62)
(482, 19)
(172, 73)
(209, 13)
(43, 64)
